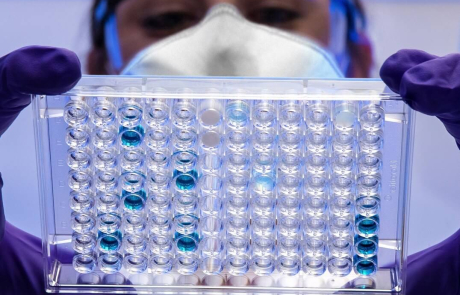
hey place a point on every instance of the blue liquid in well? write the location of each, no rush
(131, 137)
(264, 183)
(186, 181)
(110, 242)
(238, 112)
(366, 246)
(368, 225)
(366, 267)
(187, 243)
(134, 201)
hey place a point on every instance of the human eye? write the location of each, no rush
(273, 16)
(168, 23)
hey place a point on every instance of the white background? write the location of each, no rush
(433, 26)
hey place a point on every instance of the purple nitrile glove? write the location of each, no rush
(435, 270)
(430, 85)
(29, 70)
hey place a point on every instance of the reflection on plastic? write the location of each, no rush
(114, 279)
(89, 279)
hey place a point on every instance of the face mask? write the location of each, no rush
(226, 44)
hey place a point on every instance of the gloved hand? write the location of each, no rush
(40, 70)
(430, 85)
(435, 270)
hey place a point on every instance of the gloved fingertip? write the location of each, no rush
(42, 70)
(397, 64)
(435, 86)
(452, 126)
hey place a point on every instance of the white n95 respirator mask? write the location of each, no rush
(226, 44)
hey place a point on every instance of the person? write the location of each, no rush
(132, 34)
(122, 28)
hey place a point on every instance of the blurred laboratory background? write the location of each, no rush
(430, 25)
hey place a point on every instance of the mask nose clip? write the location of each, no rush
(222, 8)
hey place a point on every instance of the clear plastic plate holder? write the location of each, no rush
(332, 223)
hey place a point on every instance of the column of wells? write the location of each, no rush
(82, 203)
(238, 130)
(184, 213)
(159, 160)
(343, 183)
(290, 154)
(367, 206)
(262, 186)
(211, 192)
(317, 115)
